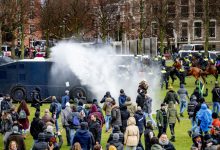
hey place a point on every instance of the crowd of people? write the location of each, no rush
(126, 121)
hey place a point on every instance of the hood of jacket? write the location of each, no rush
(128, 103)
(94, 108)
(82, 132)
(171, 105)
(115, 106)
(156, 147)
(131, 121)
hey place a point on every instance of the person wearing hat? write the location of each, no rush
(41, 143)
(140, 122)
(65, 99)
(122, 98)
(198, 142)
(47, 117)
(216, 98)
(107, 95)
(171, 96)
(65, 114)
(115, 142)
(107, 107)
(17, 137)
(161, 118)
(84, 137)
(36, 99)
(165, 143)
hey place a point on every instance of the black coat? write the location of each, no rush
(216, 94)
(140, 100)
(117, 144)
(121, 135)
(40, 145)
(169, 146)
(124, 117)
(19, 140)
(94, 128)
(37, 126)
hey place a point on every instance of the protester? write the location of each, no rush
(148, 135)
(115, 142)
(197, 141)
(172, 116)
(161, 118)
(183, 94)
(124, 117)
(107, 95)
(140, 123)
(6, 103)
(116, 129)
(23, 112)
(115, 115)
(107, 107)
(13, 146)
(131, 136)
(171, 96)
(95, 128)
(84, 137)
(122, 98)
(55, 109)
(147, 109)
(215, 124)
(154, 142)
(37, 126)
(131, 106)
(165, 143)
(216, 98)
(65, 99)
(65, 114)
(47, 117)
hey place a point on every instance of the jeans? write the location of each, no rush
(68, 139)
(194, 126)
(183, 105)
(57, 125)
(151, 118)
(107, 122)
(216, 107)
(72, 133)
(162, 130)
(131, 147)
(172, 126)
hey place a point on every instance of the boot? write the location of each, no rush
(189, 133)
(181, 115)
(172, 138)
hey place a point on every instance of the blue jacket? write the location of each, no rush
(65, 99)
(85, 138)
(140, 121)
(122, 99)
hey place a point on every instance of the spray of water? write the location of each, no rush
(102, 70)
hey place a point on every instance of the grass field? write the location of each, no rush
(183, 142)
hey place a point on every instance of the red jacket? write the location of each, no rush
(215, 123)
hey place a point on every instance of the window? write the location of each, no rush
(198, 8)
(154, 28)
(169, 29)
(197, 30)
(184, 8)
(32, 29)
(171, 9)
(212, 29)
(184, 31)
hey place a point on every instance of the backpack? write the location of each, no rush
(22, 114)
(112, 147)
(58, 108)
(75, 121)
(191, 108)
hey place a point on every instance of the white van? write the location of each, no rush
(192, 47)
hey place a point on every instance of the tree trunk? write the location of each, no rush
(206, 27)
(47, 44)
(22, 41)
(162, 36)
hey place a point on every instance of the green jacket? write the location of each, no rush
(171, 96)
(159, 118)
(172, 114)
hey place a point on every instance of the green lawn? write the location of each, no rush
(183, 141)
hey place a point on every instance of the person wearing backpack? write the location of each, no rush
(141, 123)
(171, 96)
(216, 98)
(191, 109)
(23, 113)
(65, 113)
(65, 99)
(55, 109)
(115, 115)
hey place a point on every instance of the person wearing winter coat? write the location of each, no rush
(116, 129)
(40, 144)
(147, 109)
(94, 111)
(95, 128)
(6, 103)
(14, 114)
(198, 142)
(23, 121)
(216, 98)
(54, 109)
(17, 137)
(37, 126)
(204, 116)
(140, 100)
(183, 95)
(171, 96)
(131, 107)
(154, 142)
(140, 123)
(65, 99)
(161, 117)
(84, 137)
(165, 143)
(107, 95)
(148, 135)
(131, 136)
(47, 117)
(122, 98)
(115, 142)
(115, 115)
(124, 117)
(65, 114)
(107, 107)
(172, 116)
